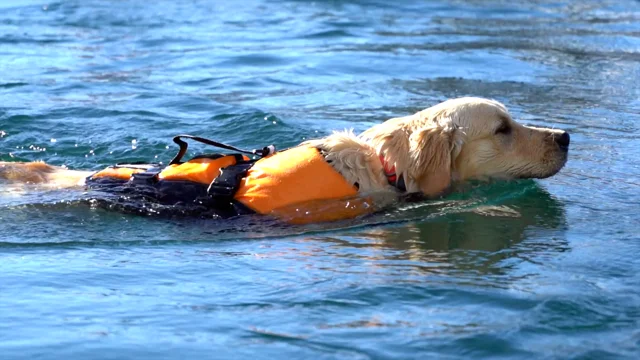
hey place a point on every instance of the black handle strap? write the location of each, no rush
(267, 150)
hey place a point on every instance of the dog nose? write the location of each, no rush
(563, 140)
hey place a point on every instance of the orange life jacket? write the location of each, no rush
(278, 184)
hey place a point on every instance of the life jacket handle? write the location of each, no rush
(267, 150)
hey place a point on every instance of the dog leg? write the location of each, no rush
(41, 174)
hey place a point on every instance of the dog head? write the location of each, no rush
(464, 139)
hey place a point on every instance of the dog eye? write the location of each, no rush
(504, 129)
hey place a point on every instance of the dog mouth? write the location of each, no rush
(551, 167)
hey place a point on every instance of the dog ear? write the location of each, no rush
(432, 149)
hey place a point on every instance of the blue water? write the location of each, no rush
(531, 269)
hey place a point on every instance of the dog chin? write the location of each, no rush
(557, 166)
(549, 174)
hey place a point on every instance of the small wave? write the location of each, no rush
(11, 85)
(328, 34)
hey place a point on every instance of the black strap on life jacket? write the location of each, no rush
(223, 188)
(225, 185)
(267, 150)
(217, 196)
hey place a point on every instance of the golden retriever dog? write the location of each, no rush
(457, 140)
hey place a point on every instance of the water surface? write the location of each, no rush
(530, 269)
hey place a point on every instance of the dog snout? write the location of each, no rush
(563, 139)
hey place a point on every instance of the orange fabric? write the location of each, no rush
(201, 170)
(294, 176)
(297, 185)
(324, 211)
(122, 173)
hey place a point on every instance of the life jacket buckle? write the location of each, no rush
(227, 183)
(150, 176)
(215, 190)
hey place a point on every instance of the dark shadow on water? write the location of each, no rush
(486, 217)
(482, 229)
